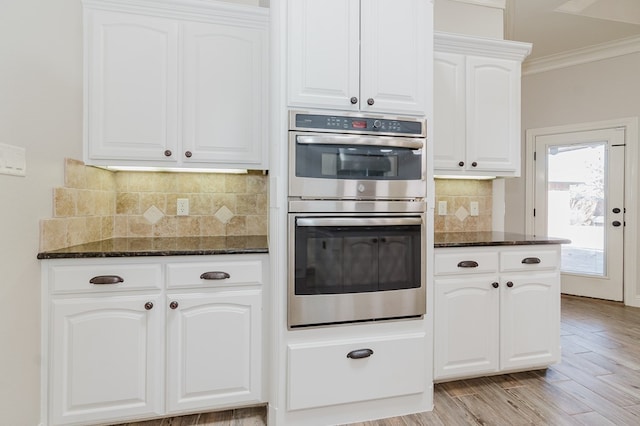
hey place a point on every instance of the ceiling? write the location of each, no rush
(557, 26)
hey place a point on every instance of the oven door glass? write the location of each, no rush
(355, 255)
(356, 157)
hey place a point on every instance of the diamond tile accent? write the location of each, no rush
(462, 214)
(224, 215)
(153, 215)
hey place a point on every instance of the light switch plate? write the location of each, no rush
(442, 208)
(473, 208)
(13, 160)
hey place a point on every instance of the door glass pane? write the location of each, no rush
(576, 205)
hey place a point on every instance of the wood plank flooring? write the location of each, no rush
(597, 382)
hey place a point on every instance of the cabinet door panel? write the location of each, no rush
(493, 114)
(530, 320)
(225, 94)
(466, 326)
(395, 45)
(106, 358)
(324, 53)
(214, 346)
(449, 112)
(131, 86)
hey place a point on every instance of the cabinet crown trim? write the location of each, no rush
(479, 46)
(203, 10)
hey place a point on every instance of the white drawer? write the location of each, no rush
(465, 262)
(321, 374)
(77, 278)
(530, 259)
(220, 273)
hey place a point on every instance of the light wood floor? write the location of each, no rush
(597, 382)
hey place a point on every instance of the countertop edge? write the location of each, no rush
(500, 243)
(82, 255)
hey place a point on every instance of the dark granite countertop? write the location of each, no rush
(179, 246)
(475, 239)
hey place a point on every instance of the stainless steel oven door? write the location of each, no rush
(350, 268)
(339, 166)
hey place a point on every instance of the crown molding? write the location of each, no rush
(581, 56)
(498, 4)
(198, 10)
(489, 47)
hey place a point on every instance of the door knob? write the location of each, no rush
(616, 210)
(616, 223)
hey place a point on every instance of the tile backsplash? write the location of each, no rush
(97, 204)
(458, 194)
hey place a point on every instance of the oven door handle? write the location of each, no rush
(411, 143)
(355, 221)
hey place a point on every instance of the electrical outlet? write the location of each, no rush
(183, 207)
(473, 207)
(442, 208)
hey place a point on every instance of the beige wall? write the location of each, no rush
(460, 17)
(596, 91)
(40, 110)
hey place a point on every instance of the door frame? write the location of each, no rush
(631, 284)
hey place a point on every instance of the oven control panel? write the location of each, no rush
(357, 124)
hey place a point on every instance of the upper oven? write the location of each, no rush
(356, 157)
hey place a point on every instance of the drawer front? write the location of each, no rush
(323, 374)
(465, 262)
(215, 273)
(529, 260)
(107, 277)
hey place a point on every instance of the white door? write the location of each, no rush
(579, 195)
(529, 319)
(132, 87)
(224, 94)
(466, 326)
(324, 53)
(107, 357)
(214, 345)
(395, 45)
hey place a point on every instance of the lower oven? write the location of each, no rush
(353, 267)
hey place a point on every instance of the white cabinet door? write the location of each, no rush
(225, 95)
(530, 319)
(214, 346)
(131, 87)
(493, 115)
(106, 358)
(395, 50)
(324, 53)
(449, 75)
(466, 326)
(360, 56)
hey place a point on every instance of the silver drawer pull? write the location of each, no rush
(360, 353)
(106, 279)
(531, 260)
(215, 275)
(468, 264)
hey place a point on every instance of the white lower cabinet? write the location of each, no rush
(106, 358)
(324, 373)
(489, 319)
(214, 347)
(142, 345)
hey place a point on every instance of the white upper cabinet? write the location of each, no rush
(477, 105)
(164, 90)
(132, 86)
(368, 56)
(225, 96)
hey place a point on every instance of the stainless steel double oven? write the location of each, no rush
(357, 187)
